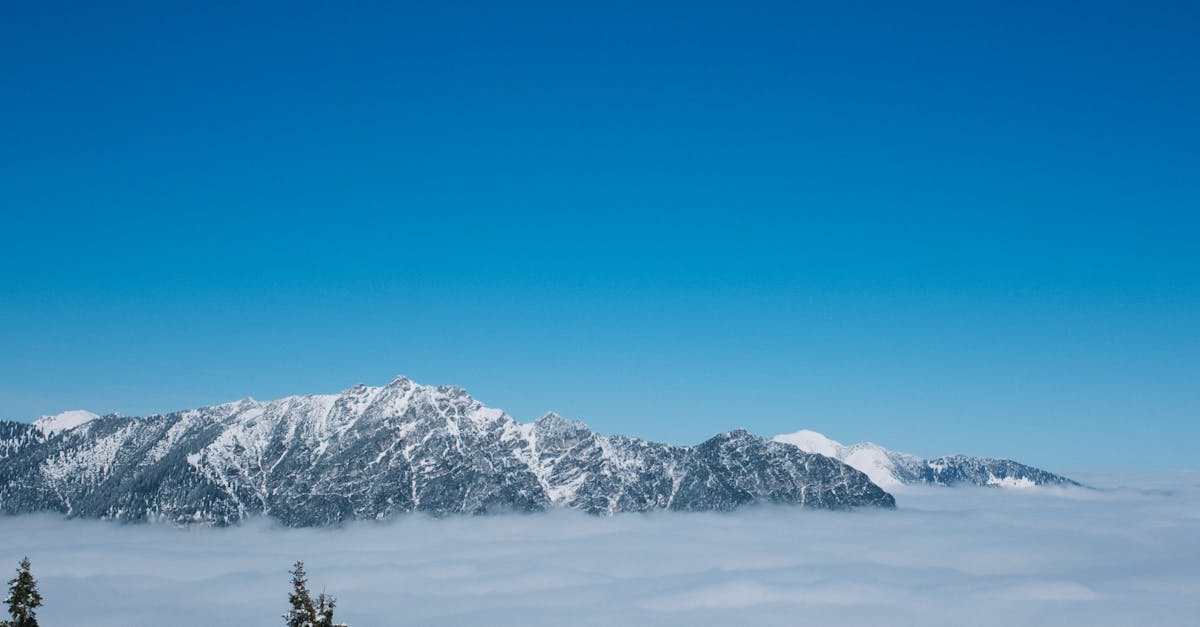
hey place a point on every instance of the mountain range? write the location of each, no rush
(375, 452)
(891, 469)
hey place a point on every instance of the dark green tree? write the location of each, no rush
(302, 614)
(325, 605)
(23, 598)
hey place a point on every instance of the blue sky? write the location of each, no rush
(944, 228)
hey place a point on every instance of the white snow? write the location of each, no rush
(872, 460)
(1012, 482)
(813, 442)
(65, 421)
(94, 461)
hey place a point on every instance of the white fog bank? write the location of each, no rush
(1127, 556)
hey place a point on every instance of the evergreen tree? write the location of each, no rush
(325, 605)
(302, 614)
(23, 598)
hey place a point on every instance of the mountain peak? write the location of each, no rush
(730, 436)
(552, 423)
(65, 421)
(400, 381)
(550, 417)
(813, 442)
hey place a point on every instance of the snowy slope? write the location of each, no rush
(51, 425)
(890, 469)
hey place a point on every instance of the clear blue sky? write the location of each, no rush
(945, 227)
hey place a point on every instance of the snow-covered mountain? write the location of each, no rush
(373, 452)
(50, 425)
(890, 469)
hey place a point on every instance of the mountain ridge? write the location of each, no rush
(891, 469)
(375, 452)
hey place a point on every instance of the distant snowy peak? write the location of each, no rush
(890, 469)
(813, 442)
(50, 425)
(887, 469)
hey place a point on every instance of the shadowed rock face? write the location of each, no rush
(373, 452)
(987, 471)
(737, 468)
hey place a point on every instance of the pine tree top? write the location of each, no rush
(23, 598)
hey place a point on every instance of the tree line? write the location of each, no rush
(305, 611)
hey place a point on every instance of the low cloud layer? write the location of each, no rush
(1124, 556)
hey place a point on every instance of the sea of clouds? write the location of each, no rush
(1125, 555)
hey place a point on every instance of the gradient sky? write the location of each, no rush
(945, 227)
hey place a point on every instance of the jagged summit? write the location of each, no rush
(554, 425)
(374, 452)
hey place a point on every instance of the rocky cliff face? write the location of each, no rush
(374, 452)
(987, 471)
